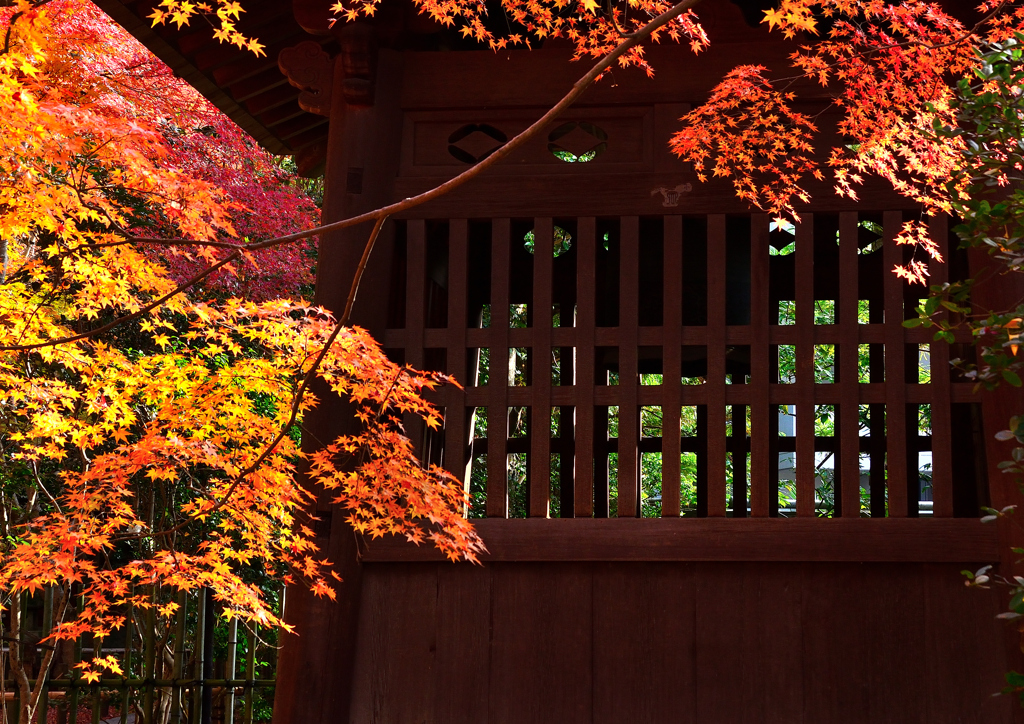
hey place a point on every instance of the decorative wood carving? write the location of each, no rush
(358, 63)
(311, 69)
(575, 142)
(671, 196)
(475, 141)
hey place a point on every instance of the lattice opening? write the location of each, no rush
(707, 320)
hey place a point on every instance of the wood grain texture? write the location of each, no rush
(395, 651)
(895, 387)
(896, 632)
(715, 384)
(848, 415)
(540, 360)
(462, 660)
(644, 637)
(629, 411)
(748, 656)
(661, 643)
(760, 318)
(497, 380)
(837, 667)
(671, 388)
(694, 539)
(541, 658)
(971, 661)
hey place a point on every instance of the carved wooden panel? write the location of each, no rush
(604, 139)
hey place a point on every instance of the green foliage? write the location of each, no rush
(988, 195)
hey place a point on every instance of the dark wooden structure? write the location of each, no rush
(731, 609)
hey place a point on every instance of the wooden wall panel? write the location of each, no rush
(462, 662)
(428, 149)
(644, 639)
(793, 643)
(395, 647)
(540, 666)
(748, 656)
(968, 662)
(897, 637)
(836, 673)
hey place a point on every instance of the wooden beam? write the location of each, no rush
(183, 68)
(961, 540)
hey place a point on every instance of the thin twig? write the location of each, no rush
(128, 317)
(293, 415)
(381, 214)
(412, 202)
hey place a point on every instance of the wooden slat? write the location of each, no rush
(583, 390)
(393, 652)
(716, 367)
(957, 540)
(540, 357)
(805, 458)
(629, 423)
(942, 429)
(825, 394)
(837, 685)
(849, 392)
(456, 434)
(895, 387)
(497, 380)
(748, 660)
(415, 303)
(671, 390)
(462, 668)
(760, 452)
(541, 644)
(736, 334)
(653, 664)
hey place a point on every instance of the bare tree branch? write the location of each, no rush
(380, 215)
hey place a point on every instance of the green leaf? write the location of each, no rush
(1011, 377)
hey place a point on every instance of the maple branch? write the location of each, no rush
(307, 380)
(379, 216)
(353, 290)
(14, 19)
(409, 203)
(128, 317)
(567, 100)
(610, 12)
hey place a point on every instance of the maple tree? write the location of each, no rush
(149, 410)
(148, 434)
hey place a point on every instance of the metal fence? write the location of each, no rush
(194, 667)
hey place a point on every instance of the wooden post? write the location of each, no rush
(315, 676)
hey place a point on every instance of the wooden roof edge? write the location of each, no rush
(184, 69)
